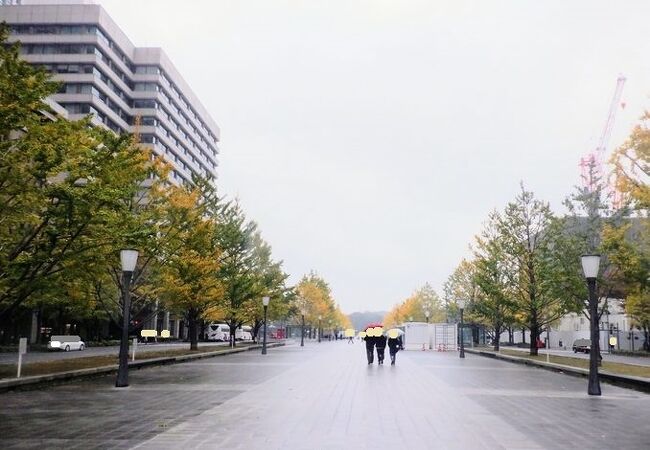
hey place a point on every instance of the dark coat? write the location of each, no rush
(395, 344)
(381, 341)
(370, 342)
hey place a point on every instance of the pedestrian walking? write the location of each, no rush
(394, 344)
(370, 348)
(380, 343)
(370, 334)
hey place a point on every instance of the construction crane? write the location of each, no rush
(592, 164)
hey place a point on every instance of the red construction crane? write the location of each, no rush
(592, 164)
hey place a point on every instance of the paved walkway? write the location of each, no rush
(326, 397)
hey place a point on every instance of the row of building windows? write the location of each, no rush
(86, 88)
(144, 103)
(83, 108)
(156, 139)
(87, 68)
(84, 29)
(80, 88)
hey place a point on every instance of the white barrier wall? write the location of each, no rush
(433, 336)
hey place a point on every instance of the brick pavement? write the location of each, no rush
(325, 396)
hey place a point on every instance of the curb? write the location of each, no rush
(36, 380)
(626, 381)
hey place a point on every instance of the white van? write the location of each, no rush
(244, 333)
(66, 343)
(218, 332)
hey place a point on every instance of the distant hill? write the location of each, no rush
(361, 319)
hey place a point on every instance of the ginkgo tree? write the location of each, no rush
(415, 308)
(188, 278)
(491, 301)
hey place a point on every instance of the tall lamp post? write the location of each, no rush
(302, 329)
(461, 306)
(265, 303)
(590, 266)
(319, 319)
(128, 258)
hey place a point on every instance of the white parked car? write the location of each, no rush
(244, 333)
(218, 332)
(66, 343)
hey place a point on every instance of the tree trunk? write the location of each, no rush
(523, 335)
(59, 322)
(497, 337)
(193, 331)
(511, 336)
(534, 334)
(39, 325)
(256, 329)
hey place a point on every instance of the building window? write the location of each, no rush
(148, 70)
(145, 103)
(148, 87)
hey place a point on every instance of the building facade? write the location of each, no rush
(126, 88)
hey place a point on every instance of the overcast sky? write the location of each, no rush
(370, 139)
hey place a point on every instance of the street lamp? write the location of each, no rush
(319, 319)
(461, 306)
(590, 266)
(265, 302)
(302, 329)
(128, 258)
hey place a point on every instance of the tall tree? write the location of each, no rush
(491, 303)
(189, 282)
(63, 185)
(528, 241)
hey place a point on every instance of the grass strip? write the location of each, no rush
(608, 366)
(88, 362)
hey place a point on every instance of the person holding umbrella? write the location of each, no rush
(394, 343)
(371, 339)
(380, 343)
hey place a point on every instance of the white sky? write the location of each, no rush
(370, 139)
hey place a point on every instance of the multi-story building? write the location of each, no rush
(126, 88)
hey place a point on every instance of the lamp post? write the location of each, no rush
(302, 329)
(319, 319)
(461, 306)
(590, 266)
(265, 303)
(128, 258)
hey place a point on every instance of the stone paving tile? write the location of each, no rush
(326, 397)
(94, 414)
(552, 409)
(336, 401)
